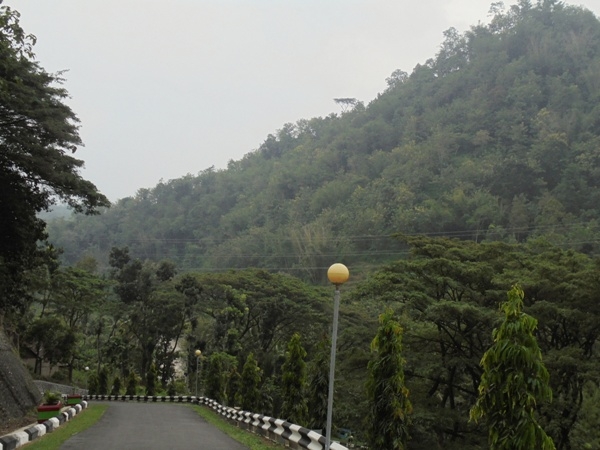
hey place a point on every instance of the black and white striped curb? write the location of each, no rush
(144, 398)
(278, 430)
(20, 438)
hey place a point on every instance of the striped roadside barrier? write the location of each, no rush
(24, 436)
(277, 430)
(292, 435)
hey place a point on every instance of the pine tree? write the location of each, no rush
(151, 377)
(171, 388)
(93, 385)
(294, 407)
(215, 384)
(389, 404)
(116, 387)
(249, 393)
(103, 381)
(233, 386)
(131, 384)
(514, 380)
(318, 387)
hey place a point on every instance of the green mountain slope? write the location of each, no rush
(495, 138)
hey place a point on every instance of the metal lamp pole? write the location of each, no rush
(337, 274)
(197, 353)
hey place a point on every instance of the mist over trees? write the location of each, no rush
(494, 138)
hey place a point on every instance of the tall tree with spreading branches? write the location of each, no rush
(38, 135)
(514, 380)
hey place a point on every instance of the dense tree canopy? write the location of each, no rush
(152, 311)
(447, 293)
(256, 311)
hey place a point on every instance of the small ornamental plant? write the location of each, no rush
(51, 398)
(50, 407)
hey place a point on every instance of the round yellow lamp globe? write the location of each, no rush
(338, 274)
(198, 352)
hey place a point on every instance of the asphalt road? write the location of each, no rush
(133, 426)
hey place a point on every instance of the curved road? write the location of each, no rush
(143, 426)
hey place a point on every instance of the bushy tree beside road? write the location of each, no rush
(38, 135)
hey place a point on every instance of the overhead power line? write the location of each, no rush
(162, 250)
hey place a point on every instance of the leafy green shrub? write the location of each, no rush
(116, 386)
(52, 398)
(151, 380)
(132, 384)
(103, 381)
(93, 384)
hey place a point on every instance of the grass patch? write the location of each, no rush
(250, 440)
(85, 419)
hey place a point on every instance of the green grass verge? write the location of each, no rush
(83, 420)
(252, 441)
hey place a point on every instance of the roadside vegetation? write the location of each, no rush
(81, 422)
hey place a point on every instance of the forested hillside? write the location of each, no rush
(494, 143)
(494, 138)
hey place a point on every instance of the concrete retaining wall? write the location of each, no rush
(45, 386)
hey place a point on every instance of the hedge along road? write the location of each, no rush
(137, 426)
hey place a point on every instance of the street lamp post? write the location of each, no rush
(197, 353)
(337, 274)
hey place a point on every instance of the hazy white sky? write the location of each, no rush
(169, 88)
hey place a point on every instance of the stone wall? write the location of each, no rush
(18, 393)
(45, 386)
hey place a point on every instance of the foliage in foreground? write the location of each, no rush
(447, 293)
(514, 381)
(390, 407)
